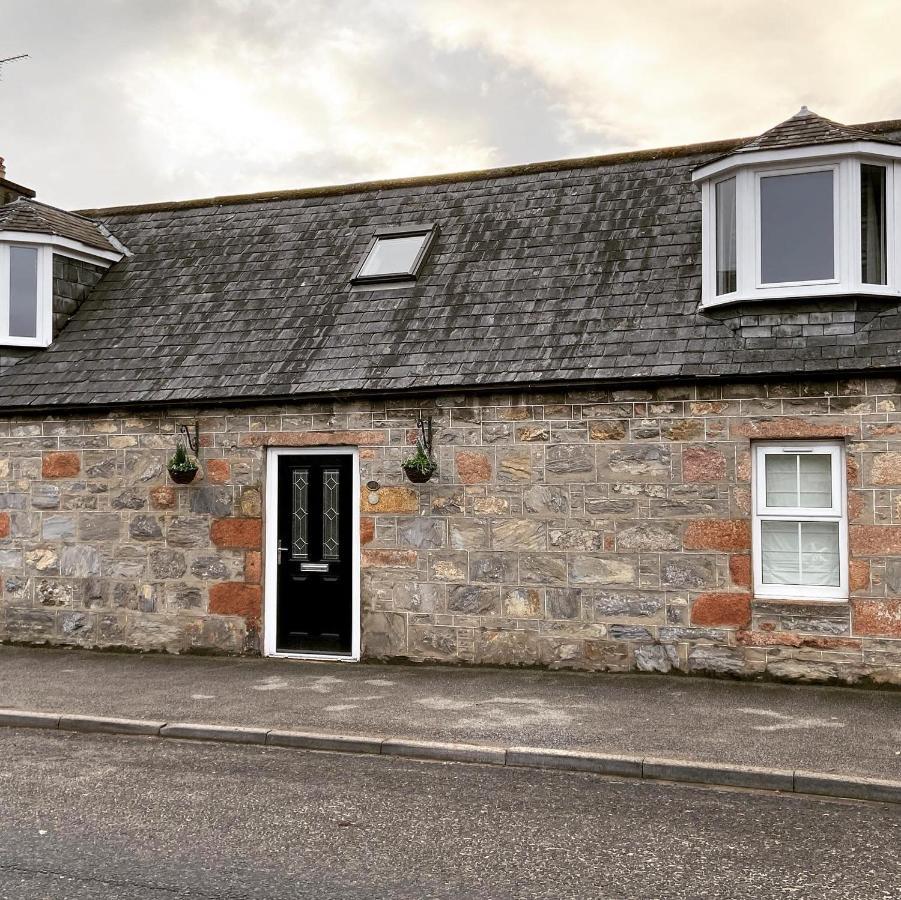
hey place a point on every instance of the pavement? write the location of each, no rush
(844, 731)
(841, 731)
(106, 817)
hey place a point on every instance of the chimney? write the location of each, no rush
(9, 190)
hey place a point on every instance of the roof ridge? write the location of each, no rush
(68, 212)
(557, 165)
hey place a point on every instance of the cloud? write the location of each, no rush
(142, 100)
(654, 73)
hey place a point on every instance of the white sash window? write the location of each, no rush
(800, 522)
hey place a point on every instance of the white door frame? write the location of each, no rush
(270, 571)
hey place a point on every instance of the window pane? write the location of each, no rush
(393, 256)
(798, 479)
(819, 553)
(796, 227)
(779, 553)
(23, 292)
(872, 224)
(800, 553)
(781, 479)
(816, 480)
(725, 237)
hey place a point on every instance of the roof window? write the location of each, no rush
(395, 255)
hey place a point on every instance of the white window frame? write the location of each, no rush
(836, 513)
(43, 299)
(748, 169)
(47, 246)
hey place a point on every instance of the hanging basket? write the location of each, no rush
(182, 476)
(420, 467)
(419, 476)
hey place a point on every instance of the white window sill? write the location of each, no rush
(803, 292)
(794, 598)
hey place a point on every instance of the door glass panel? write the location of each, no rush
(299, 542)
(330, 513)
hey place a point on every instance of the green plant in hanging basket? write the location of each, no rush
(182, 468)
(419, 467)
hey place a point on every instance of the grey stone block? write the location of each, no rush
(107, 725)
(343, 743)
(449, 752)
(575, 761)
(230, 733)
(714, 773)
(847, 786)
(15, 718)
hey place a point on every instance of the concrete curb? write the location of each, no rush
(471, 753)
(231, 734)
(622, 766)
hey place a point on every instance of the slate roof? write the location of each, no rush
(806, 128)
(30, 215)
(579, 271)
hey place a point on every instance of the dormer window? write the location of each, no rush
(395, 255)
(32, 235)
(26, 307)
(806, 210)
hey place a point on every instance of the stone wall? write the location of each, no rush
(605, 530)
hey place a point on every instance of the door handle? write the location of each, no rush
(280, 549)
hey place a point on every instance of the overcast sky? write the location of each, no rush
(126, 101)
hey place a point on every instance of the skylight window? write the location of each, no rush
(395, 255)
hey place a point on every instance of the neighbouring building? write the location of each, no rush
(664, 391)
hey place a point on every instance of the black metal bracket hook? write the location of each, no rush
(193, 440)
(424, 427)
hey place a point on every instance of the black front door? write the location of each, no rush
(315, 546)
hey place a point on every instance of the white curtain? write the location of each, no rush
(799, 553)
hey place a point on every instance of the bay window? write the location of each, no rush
(800, 544)
(806, 222)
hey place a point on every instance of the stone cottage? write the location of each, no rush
(661, 389)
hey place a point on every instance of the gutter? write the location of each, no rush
(635, 382)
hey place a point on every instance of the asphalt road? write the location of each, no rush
(107, 817)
